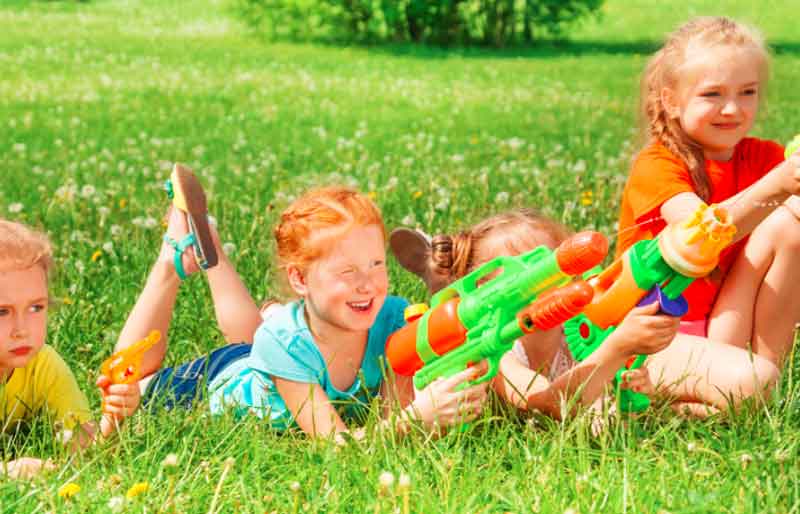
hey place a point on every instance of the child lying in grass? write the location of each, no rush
(314, 362)
(34, 379)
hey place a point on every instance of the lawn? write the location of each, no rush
(98, 99)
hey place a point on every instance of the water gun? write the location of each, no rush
(793, 146)
(123, 367)
(480, 315)
(652, 270)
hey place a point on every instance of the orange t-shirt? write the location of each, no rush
(658, 175)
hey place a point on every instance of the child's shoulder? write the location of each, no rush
(756, 149)
(655, 151)
(284, 322)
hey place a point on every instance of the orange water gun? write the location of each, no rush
(123, 367)
(652, 270)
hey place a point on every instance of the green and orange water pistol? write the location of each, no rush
(652, 270)
(479, 316)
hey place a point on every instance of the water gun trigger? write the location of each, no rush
(677, 307)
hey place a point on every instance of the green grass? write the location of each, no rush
(96, 100)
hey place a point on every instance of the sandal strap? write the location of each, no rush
(180, 247)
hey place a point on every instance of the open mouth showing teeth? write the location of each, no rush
(360, 306)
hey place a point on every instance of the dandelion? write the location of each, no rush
(15, 208)
(103, 211)
(170, 461)
(587, 198)
(67, 300)
(473, 140)
(150, 222)
(501, 197)
(386, 480)
(515, 143)
(137, 489)
(116, 230)
(691, 447)
(19, 147)
(579, 167)
(96, 255)
(108, 247)
(295, 488)
(228, 248)
(745, 460)
(417, 195)
(392, 182)
(69, 490)
(116, 503)
(372, 195)
(122, 203)
(404, 486)
(408, 220)
(88, 191)
(457, 158)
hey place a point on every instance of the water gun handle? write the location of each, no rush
(631, 401)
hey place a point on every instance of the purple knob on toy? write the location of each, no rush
(676, 307)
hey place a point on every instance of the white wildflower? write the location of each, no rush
(228, 248)
(501, 197)
(108, 247)
(88, 191)
(116, 503)
(15, 207)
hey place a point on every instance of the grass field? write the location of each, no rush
(97, 100)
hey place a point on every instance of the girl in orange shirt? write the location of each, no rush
(700, 96)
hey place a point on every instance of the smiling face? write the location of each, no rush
(23, 316)
(717, 97)
(345, 288)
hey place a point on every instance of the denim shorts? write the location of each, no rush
(184, 384)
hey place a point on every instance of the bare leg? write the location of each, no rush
(238, 316)
(757, 303)
(697, 370)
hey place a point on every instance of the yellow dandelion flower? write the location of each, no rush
(122, 203)
(137, 489)
(67, 300)
(473, 140)
(417, 194)
(69, 490)
(372, 195)
(96, 255)
(587, 198)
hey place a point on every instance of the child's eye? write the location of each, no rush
(709, 94)
(38, 307)
(750, 92)
(4, 311)
(377, 262)
(348, 271)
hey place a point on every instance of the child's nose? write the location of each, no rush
(730, 107)
(19, 329)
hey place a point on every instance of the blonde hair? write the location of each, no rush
(301, 233)
(663, 71)
(21, 247)
(455, 256)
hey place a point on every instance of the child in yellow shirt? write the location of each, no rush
(34, 379)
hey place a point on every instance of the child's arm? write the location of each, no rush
(749, 207)
(641, 332)
(438, 405)
(25, 467)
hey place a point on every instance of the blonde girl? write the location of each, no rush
(700, 96)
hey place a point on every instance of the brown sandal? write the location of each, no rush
(188, 196)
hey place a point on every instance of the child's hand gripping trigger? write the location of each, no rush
(123, 366)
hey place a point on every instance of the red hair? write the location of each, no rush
(312, 222)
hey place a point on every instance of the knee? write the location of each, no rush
(783, 231)
(753, 379)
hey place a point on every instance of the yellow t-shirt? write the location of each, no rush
(44, 384)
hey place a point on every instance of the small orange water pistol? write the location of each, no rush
(123, 367)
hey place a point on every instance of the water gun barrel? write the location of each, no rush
(123, 366)
(553, 309)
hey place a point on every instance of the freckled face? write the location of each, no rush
(717, 98)
(347, 286)
(23, 316)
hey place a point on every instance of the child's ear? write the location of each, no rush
(669, 99)
(297, 281)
